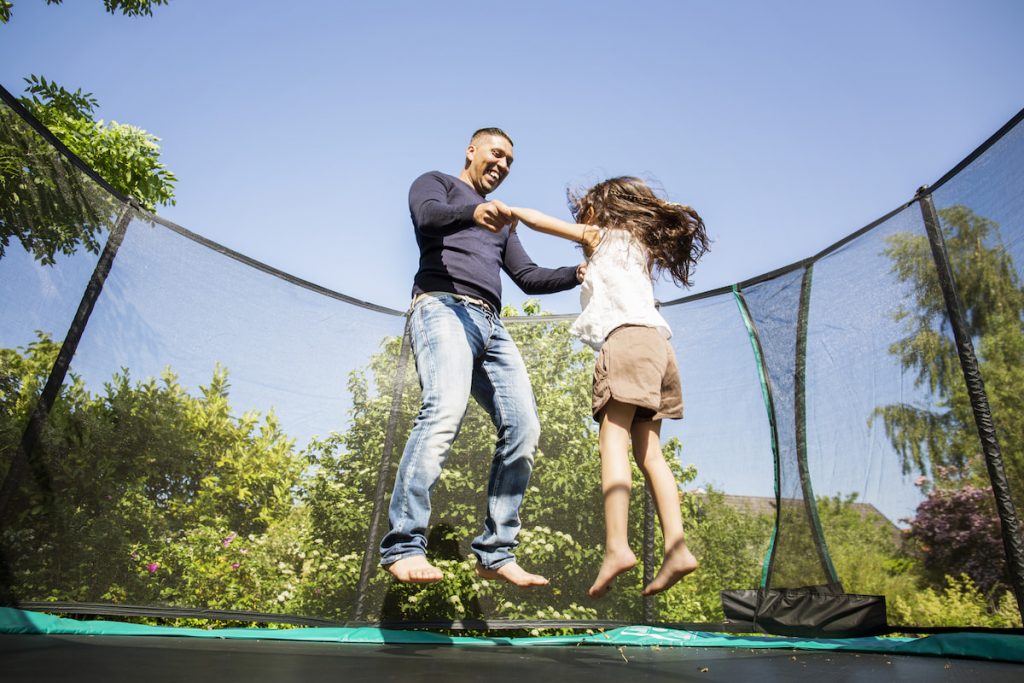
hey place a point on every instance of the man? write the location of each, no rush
(461, 349)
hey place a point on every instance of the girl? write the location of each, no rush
(627, 233)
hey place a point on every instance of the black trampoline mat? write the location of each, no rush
(87, 659)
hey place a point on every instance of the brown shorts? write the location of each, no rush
(637, 366)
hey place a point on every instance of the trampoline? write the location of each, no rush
(190, 436)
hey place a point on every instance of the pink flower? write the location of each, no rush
(230, 537)
(921, 481)
(152, 567)
(244, 551)
(235, 565)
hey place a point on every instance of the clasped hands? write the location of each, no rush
(493, 215)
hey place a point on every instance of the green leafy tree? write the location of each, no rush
(729, 543)
(563, 524)
(129, 8)
(943, 434)
(160, 496)
(147, 493)
(939, 438)
(562, 528)
(48, 204)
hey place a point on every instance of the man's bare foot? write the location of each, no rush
(679, 562)
(512, 573)
(613, 565)
(414, 569)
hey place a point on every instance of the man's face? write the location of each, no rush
(488, 160)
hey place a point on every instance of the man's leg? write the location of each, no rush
(502, 387)
(442, 335)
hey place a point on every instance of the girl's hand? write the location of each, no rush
(590, 237)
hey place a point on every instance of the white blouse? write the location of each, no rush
(617, 290)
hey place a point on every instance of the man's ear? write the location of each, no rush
(470, 152)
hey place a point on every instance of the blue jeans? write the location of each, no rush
(463, 349)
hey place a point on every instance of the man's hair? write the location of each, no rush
(491, 131)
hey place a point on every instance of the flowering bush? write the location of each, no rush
(957, 533)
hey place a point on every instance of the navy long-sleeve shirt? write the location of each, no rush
(457, 255)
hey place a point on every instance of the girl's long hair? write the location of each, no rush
(673, 234)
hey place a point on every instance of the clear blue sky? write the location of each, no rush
(296, 128)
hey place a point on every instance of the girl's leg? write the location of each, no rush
(616, 481)
(679, 561)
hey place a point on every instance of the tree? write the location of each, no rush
(146, 488)
(940, 438)
(160, 496)
(49, 205)
(129, 8)
(957, 533)
(563, 527)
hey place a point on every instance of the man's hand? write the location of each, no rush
(581, 272)
(493, 215)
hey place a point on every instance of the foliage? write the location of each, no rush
(129, 8)
(957, 603)
(161, 497)
(562, 533)
(730, 545)
(132, 484)
(955, 528)
(944, 434)
(48, 204)
(957, 532)
(867, 550)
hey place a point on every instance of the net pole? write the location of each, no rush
(648, 553)
(41, 413)
(769, 405)
(1013, 541)
(383, 477)
(800, 410)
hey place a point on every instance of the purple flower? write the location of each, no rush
(230, 537)
(152, 567)
(235, 565)
(244, 551)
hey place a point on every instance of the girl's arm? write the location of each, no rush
(587, 235)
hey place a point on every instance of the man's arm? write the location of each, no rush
(434, 216)
(431, 213)
(530, 277)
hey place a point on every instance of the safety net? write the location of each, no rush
(188, 433)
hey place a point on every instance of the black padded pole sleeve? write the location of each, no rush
(41, 412)
(648, 553)
(1013, 542)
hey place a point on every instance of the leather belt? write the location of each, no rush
(465, 297)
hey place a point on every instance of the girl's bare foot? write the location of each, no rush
(613, 565)
(415, 569)
(679, 562)
(512, 573)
